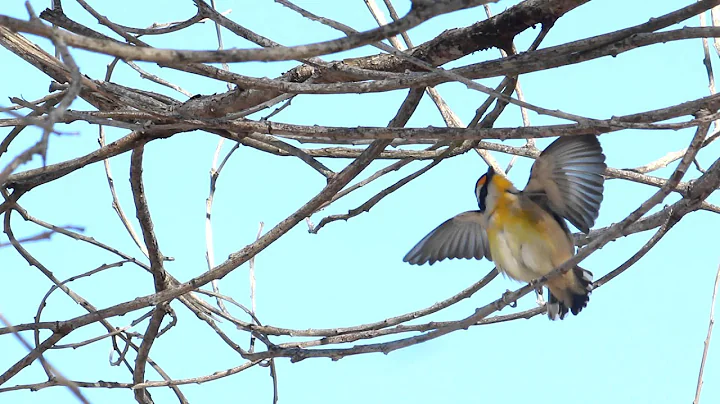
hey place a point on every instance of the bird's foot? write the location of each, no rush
(508, 298)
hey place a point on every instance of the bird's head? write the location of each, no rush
(489, 187)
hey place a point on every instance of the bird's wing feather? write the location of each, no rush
(463, 236)
(569, 175)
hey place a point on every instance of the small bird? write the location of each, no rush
(524, 232)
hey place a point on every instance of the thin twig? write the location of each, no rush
(215, 171)
(708, 64)
(251, 274)
(707, 339)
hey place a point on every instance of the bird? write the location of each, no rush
(525, 233)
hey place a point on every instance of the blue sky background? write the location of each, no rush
(639, 341)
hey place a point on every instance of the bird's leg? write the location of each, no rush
(538, 292)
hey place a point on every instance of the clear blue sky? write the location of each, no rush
(639, 341)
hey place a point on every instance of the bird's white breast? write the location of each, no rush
(512, 257)
(519, 251)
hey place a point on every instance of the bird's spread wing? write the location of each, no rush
(569, 176)
(463, 236)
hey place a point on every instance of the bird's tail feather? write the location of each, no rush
(575, 298)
